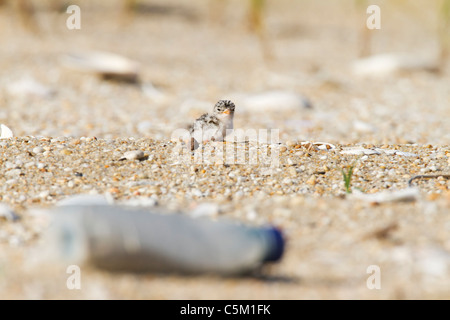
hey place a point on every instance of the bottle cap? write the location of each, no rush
(277, 244)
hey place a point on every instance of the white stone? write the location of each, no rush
(38, 150)
(9, 165)
(44, 194)
(134, 155)
(29, 164)
(359, 151)
(13, 173)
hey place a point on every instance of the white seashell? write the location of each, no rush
(406, 154)
(385, 64)
(103, 63)
(38, 150)
(272, 101)
(396, 152)
(29, 87)
(359, 151)
(324, 145)
(403, 195)
(6, 133)
(133, 155)
(386, 151)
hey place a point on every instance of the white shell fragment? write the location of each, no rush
(397, 152)
(359, 151)
(133, 155)
(103, 63)
(403, 195)
(38, 150)
(406, 154)
(29, 87)
(385, 64)
(388, 152)
(324, 145)
(5, 132)
(273, 101)
(364, 151)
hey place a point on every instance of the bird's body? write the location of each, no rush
(213, 126)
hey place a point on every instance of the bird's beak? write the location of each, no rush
(227, 111)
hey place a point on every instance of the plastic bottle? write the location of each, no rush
(121, 238)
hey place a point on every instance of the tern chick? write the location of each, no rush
(213, 126)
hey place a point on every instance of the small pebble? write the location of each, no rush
(13, 173)
(44, 194)
(29, 164)
(66, 152)
(292, 171)
(133, 155)
(312, 180)
(9, 165)
(38, 150)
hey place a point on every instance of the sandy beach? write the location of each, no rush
(301, 81)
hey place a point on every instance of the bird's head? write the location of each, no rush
(224, 108)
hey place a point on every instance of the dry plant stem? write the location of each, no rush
(27, 15)
(365, 36)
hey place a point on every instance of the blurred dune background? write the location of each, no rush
(191, 53)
